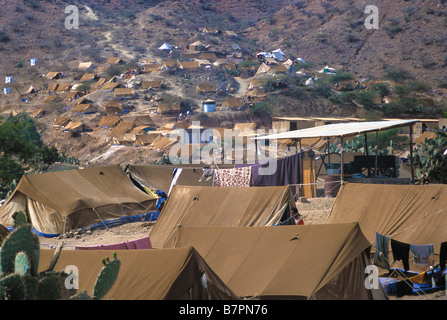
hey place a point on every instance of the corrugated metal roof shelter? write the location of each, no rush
(342, 130)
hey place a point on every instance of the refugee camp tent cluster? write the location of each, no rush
(232, 228)
(405, 225)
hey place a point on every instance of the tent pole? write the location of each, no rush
(411, 154)
(341, 161)
(377, 153)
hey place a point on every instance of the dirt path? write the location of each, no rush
(243, 86)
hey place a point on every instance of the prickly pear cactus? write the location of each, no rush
(106, 277)
(20, 279)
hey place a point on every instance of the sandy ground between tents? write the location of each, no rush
(314, 211)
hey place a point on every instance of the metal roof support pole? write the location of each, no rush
(341, 160)
(377, 154)
(367, 153)
(411, 154)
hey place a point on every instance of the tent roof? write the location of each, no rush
(72, 190)
(414, 214)
(292, 261)
(160, 177)
(219, 206)
(57, 201)
(339, 129)
(146, 274)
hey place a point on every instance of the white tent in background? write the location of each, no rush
(33, 61)
(165, 46)
(310, 82)
(328, 70)
(6, 90)
(278, 54)
(8, 79)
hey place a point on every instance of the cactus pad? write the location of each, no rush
(21, 264)
(106, 278)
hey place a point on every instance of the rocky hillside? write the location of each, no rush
(410, 43)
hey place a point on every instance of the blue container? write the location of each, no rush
(208, 106)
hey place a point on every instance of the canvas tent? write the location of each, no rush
(151, 84)
(109, 121)
(160, 177)
(220, 206)
(56, 202)
(146, 274)
(83, 108)
(233, 103)
(124, 93)
(61, 121)
(113, 107)
(413, 214)
(315, 262)
(165, 46)
(205, 87)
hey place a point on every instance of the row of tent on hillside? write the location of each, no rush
(227, 235)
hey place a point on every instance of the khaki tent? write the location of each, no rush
(159, 177)
(113, 107)
(38, 113)
(225, 206)
(255, 95)
(124, 92)
(61, 121)
(52, 87)
(141, 120)
(197, 46)
(52, 99)
(208, 56)
(146, 274)
(144, 139)
(85, 65)
(189, 65)
(109, 121)
(206, 29)
(161, 143)
(271, 69)
(114, 60)
(75, 126)
(169, 64)
(54, 75)
(233, 103)
(88, 77)
(153, 84)
(151, 68)
(83, 108)
(56, 202)
(205, 87)
(316, 262)
(169, 106)
(121, 129)
(413, 214)
(110, 86)
(64, 87)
